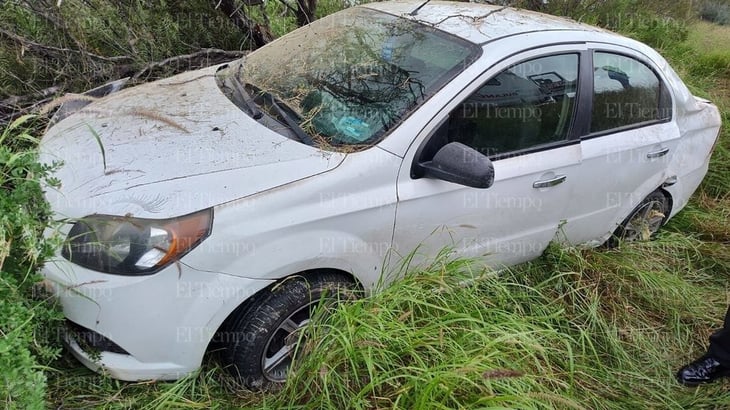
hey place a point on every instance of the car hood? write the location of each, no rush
(169, 148)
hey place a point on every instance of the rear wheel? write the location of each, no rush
(644, 221)
(263, 335)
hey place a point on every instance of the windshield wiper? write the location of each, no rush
(241, 90)
(288, 119)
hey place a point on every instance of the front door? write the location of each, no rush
(520, 114)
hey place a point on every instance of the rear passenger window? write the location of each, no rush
(626, 92)
(528, 105)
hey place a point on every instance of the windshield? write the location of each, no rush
(350, 77)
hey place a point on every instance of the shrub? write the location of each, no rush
(652, 22)
(715, 11)
(28, 341)
(656, 31)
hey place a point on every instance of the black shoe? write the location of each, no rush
(706, 369)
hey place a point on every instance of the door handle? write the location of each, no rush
(547, 183)
(656, 154)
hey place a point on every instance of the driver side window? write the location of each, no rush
(525, 106)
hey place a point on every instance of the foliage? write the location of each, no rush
(715, 11)
(28, 339)
(712, 64)
(82, 44)
(607, 9)
(652, 30)
(78, 44)
(653, 22)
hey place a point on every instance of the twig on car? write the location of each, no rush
(474, 19)
(205, 52)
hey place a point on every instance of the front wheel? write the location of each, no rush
(644, 221)
(263, 334)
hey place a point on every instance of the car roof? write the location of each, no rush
(480, 23)
(484, 23)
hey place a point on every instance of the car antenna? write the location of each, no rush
(414, 12)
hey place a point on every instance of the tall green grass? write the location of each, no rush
(574, 329)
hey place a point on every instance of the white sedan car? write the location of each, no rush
(215, 208)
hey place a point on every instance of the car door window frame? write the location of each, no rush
(588, 90)
(578, 122)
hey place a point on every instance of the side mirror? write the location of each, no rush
(460, 164)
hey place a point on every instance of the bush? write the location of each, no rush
(712, 64)
(27, 322)
(652, 22)
(715, 11)
(586, 10)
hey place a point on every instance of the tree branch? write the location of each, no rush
(260, 34)
(32, 45)
(206, 52)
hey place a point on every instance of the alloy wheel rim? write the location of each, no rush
(281, 346)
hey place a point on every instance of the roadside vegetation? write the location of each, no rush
(28, 317)
(717, 12)
(594, 329)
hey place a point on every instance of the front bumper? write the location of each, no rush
(164, 322)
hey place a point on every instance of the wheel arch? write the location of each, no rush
(218, 339)
(613, 239)
(670, 201)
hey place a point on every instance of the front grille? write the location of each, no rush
(90, 340)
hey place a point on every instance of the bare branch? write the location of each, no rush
(305, 11)
(32, 45)
(206, 52)
(474, 19)
(16, 100)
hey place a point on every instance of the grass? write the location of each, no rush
(596, 329)
(708, 36)
(575, 329)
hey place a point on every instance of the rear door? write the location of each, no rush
(627, 137)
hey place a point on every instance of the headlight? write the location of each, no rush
(133, 246)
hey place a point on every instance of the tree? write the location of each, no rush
(260, 33)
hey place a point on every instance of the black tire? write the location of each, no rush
(261, 335)
(644, 221)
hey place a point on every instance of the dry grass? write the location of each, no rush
(710, 37)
